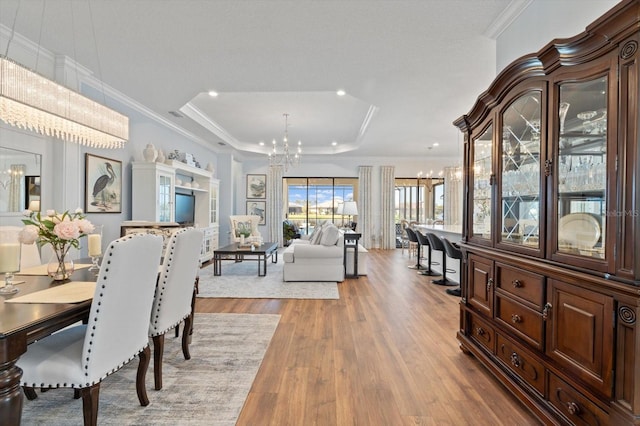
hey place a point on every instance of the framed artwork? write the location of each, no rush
(258, 208)
(257, 186)
(102, 185)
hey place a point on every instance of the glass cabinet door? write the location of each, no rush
(520, 179)
(165, 198)
(581, 168)
(482, 183)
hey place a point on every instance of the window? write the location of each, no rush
(310, 200)
(419, 200)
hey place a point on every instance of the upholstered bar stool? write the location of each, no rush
(424, 241)
(413, 239)
(436, 244)
(454, 253)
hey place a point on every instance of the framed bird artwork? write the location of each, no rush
(103, 185)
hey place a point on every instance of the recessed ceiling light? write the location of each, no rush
(341, 92)
(261, 143)
(334, 143)
(436, 144)
(213, 93)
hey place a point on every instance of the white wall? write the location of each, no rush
(544, 20)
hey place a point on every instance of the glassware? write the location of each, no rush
(60, 267)
(94, 245)
(9, 259)
(562, 114)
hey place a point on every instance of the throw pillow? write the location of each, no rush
(316, 236)
(330, 235)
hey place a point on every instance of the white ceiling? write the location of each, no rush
(409, 68)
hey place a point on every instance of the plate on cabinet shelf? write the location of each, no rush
(580, 230)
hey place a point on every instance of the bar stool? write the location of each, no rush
(454, 253)
(413, 239)
(436, 244)
(424, 241)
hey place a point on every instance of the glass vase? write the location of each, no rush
(60, 267)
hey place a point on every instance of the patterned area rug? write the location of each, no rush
(241, 281)
(209, 389)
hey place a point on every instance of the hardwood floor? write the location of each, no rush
(384, 354)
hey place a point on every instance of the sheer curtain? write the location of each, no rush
(453, 195)
(15, 187)
(387, 222)
(274, 204)
(365, 214)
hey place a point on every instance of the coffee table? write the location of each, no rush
(240, 253)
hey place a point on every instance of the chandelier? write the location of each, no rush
(31, 101)
(285, 158)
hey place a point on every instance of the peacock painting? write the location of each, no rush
(103, 185)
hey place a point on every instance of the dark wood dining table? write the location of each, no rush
(23, 323)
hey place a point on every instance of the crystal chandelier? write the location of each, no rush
(285, 158)
(31, 101)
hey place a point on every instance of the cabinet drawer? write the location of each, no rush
(521, 362)
(521, 284)
(526, 322)
(482, 333)
(573, 404)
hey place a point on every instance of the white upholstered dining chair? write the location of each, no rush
(29, 253)
(117, 331)
(174, 297)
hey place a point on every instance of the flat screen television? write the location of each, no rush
(185, 209)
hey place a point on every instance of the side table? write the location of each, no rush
(351, 241)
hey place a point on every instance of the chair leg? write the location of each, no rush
(30, 393)
(141, 388)
(158, 352)
(90, 404)
(186, 337)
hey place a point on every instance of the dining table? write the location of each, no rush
(22, 323)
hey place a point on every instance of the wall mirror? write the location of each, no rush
(20, 184)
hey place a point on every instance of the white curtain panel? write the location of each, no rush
(274, 203)
(365, 206)
(15, 186)
(387, 222)
(453, 195)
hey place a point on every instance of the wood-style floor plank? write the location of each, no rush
(385, 353)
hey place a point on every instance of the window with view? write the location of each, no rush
(311, 200)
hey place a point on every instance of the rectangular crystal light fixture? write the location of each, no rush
(31, 101)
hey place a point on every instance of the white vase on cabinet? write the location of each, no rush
(149, 153)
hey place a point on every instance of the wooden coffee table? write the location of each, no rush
(239, 253)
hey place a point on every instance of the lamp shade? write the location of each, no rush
(340, 208)
(350, 208)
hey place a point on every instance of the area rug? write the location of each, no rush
(240, 280)
(208, 389)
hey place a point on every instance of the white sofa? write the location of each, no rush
(309, 260)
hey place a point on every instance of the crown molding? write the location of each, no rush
(506, 18)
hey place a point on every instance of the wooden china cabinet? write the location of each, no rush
(551, 282)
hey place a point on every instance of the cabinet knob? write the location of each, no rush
(546, 311)
(480, 331)
(489, 284)
(515, 360)
(573, 408)
(516, 283)
(515, 318)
